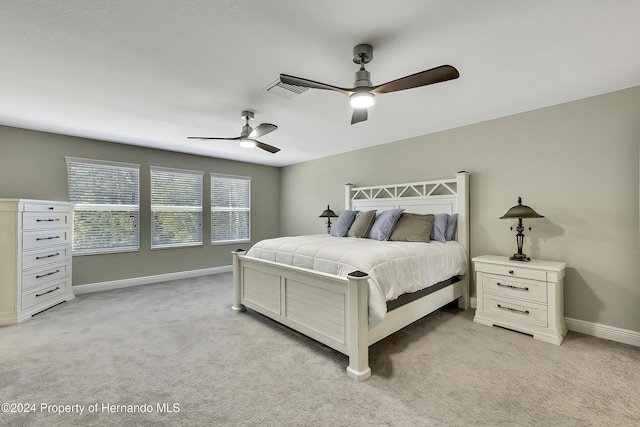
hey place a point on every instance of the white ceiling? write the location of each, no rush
(152, 72)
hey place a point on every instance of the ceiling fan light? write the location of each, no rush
(247, 143)
(362, 100)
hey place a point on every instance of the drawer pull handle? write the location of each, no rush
(47, 274)
(47, 220)
(51, 208)
(47, 238)
(510, 271)
(48, 256)
(48, 292)
(515, 310)
(526, 289)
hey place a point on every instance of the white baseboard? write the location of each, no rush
(595, 329)
(603, 331)
(136, 281)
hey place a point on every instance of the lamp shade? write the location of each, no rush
(328, 213)
(521, 211)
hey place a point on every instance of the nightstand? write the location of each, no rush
(523, 296)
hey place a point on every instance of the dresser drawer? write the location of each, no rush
(510, 271)
(39, 258)
(43, 239)
(44, 275)
(531, 290)
(523, 311)
(41, 294)
(37, 220)
(47, 207)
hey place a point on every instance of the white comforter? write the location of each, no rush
(395, 268)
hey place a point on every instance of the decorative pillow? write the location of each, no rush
(439, 227)
(384, 224)
(451, 226)
(362, 224)
(342, 224)
(413, 227)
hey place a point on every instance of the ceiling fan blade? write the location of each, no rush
(359, 115)
(423, 78)
(267, 147)
(262, 130)
(298, 81)
(208, 137)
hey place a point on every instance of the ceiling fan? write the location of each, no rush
(249, 135)
(363, 93)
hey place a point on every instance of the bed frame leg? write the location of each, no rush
(358, 295)
(237, 281)
(464, 300)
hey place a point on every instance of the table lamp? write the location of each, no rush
(328, 213)
(520, 211)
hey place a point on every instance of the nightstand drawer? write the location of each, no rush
(528, 312)
(511, 271)
(531, 290)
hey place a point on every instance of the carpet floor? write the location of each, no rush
(175, 354)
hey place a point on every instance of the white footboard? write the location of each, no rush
(330, 309)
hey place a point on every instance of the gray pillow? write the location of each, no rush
(413, 227)
(439, 227)
(362, 224)
(342, 224)
(384, 224)
(451, 226)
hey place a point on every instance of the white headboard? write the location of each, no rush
(441, 196)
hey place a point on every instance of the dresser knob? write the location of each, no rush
(510, 271)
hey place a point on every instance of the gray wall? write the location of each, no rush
(575, 163)
(32, 165)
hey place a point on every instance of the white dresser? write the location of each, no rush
(523, 296)
(35, 257)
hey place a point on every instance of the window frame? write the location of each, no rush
(105, 207)
(228, 209)
(175, 208)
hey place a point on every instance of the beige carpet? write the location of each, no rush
(150, 347)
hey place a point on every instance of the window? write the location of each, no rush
(106, 212)
(230, 209)
(176, 207)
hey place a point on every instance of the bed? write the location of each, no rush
(335, 300)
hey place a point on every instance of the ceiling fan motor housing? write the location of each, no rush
(362, 54)
(246, 130)
(363, 79)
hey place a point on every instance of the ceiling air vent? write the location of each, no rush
(285, 90)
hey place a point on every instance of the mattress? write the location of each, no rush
(394, 268)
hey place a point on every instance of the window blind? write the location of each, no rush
(176, 207)
(230, 209)
(106, 211)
